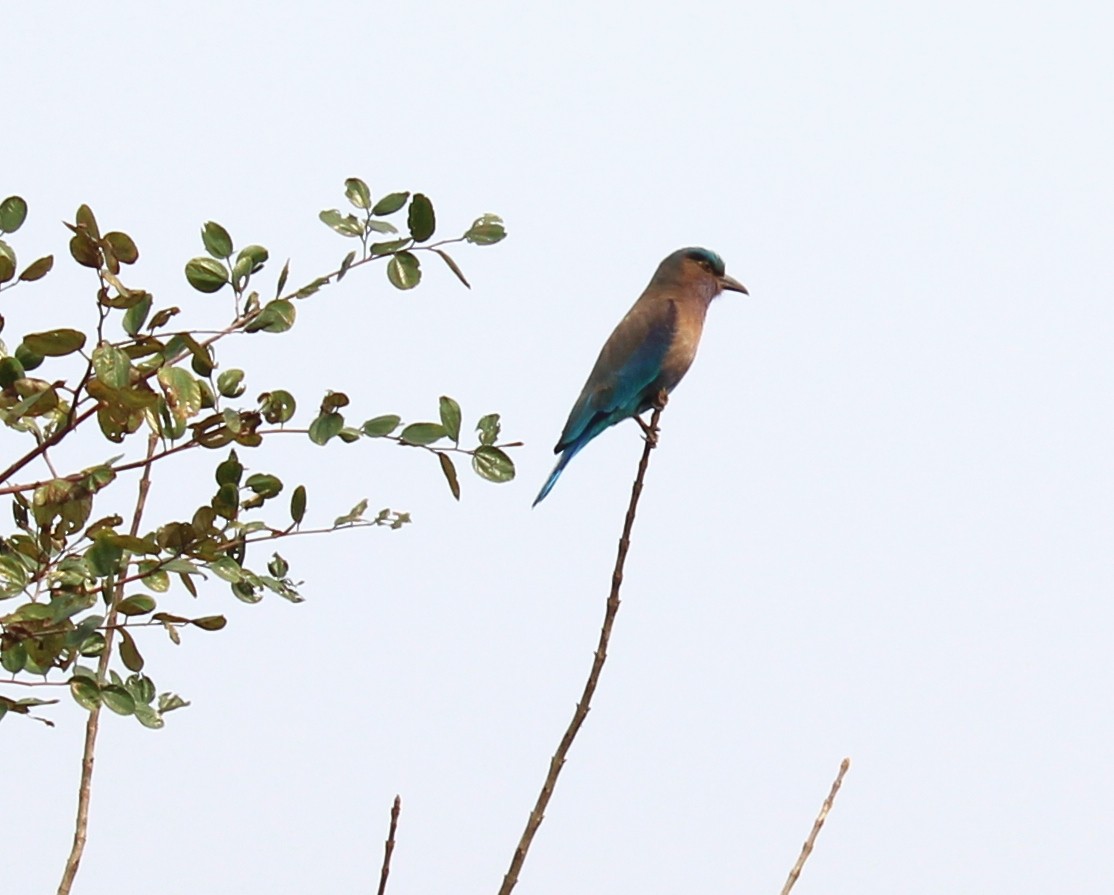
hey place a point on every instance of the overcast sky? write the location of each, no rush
(878, 526)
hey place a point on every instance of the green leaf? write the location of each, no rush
(13, 577)
(10, 370)
(387, 248)
(453, 267)
(13, 659)
(492, 464)
(420, 219)
(241, 270)
(87, 221)
(136, 604)
(381, 227)
(298, 504)
(247, 592)
(255, 254)
(163, 317)
(325, 427)
(353, 515)
(216, 239)
(168, 702)
(85, 250)
(27, 358)
(13, 212)
(404, 271)
(206, 274)
(450, 417)
(118, 699)
(277, 406)
(55, 342)
(264, 484)
(111, 365)
(486, 230)
(357, 192)
(423, 433)
(345, 264)
(276, 317)
(227, 569)
(449, 470)
(203, 362)
(148, 717)
(489, 428)
(141, 687)
(209, 622)
(85, 692)
(103, 557)
(136, 316)
(278, 566)
(283, 275)
(389, 204)
(129, 652)
(183, 394)
(229, 471)
(230, 383)
(379, 426)
(7, 268)
(226, 502)
(36, 270)
(344, 224)
(123, 247)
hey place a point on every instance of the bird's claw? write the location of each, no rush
(649, 431)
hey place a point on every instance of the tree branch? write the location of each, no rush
(92, 725)
(558, 760)
(806, 849)
(389, 846)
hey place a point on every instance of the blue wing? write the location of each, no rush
(621, 384)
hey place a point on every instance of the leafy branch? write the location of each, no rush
(79, 574)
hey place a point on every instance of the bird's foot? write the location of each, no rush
(649, 431)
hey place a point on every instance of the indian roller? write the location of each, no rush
(650, 350)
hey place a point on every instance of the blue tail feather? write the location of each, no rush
(566, 455)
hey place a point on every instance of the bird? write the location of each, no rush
(650, 350)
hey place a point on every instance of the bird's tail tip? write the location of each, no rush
(562, 462)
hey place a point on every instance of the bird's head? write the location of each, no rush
(699, 267)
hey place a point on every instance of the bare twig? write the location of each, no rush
(389, 846)
(558, 760)
(13, 682)
(806, 849)
(92, 726)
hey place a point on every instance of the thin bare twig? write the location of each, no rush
(92, 725)
(389, 846)
(558, 760)
(806, 849)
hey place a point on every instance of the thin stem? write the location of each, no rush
(92, 726)
(49, 464)
(806, 849)
(58, 435)
(14, 683)
(558, 760)
(389, 846)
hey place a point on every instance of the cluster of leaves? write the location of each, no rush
(489, 460)
(90, 584)
(404, 268)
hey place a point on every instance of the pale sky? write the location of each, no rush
(878, 525)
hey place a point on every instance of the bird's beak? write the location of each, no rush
(730, 284)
